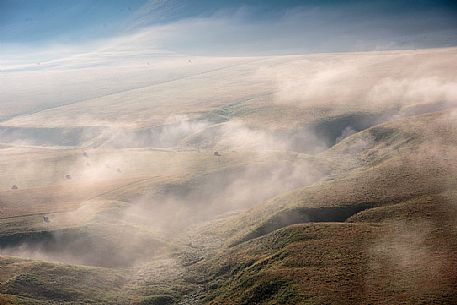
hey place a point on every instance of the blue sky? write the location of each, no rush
(25, 21)
(204, 26)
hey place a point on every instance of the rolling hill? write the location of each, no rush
(310, 179)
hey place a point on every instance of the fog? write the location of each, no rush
(183, 153)
(116, 153)
(186, 183)
(194, 148)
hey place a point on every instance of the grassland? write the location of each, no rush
(308, 200)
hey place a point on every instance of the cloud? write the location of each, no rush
(296, 30)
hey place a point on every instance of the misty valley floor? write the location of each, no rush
(222, 195)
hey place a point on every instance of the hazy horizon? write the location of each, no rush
(228, 152)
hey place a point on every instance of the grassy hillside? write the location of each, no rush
(388, 228)
(247, 183)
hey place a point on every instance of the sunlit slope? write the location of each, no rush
(26, 282)
(388, 205)
(249, 183)
(383, 165)
(46, 180)
(278, 94)
(406, 211)
(34, 88)
(377, 233)
(341, 263)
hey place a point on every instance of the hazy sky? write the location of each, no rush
(224, 27)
